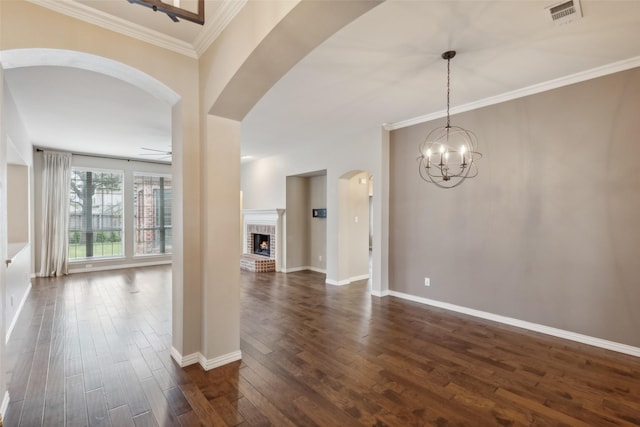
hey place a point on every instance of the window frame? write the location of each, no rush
(136, 209)
(122, 255)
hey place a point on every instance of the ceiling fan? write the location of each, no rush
(161, 154)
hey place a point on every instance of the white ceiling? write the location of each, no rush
(83, 111)
(385, 67)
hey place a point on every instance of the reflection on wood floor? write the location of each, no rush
(93, 349)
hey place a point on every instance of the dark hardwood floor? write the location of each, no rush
(93, 349)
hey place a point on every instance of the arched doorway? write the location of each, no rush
(105, 69)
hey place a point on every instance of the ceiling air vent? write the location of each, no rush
(565, 12)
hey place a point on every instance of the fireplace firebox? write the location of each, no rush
(262, 244)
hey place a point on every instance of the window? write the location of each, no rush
(95, 223)
(152, 211)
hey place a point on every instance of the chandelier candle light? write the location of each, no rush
(448, 154)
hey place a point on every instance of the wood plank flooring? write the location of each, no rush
(93, 349)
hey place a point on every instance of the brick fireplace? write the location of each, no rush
(262, 227)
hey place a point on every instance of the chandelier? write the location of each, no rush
(448, 154)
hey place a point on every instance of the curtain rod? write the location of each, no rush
(99, 156)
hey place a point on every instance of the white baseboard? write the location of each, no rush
(183, 361)
(18, 311)
(380, 293)
(346, 281)
(560, 333)
(117, 267)
(5, 405)
(294, 269)
(207, 364)
(337, 282)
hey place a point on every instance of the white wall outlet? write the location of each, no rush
(320, 258)
(356, 219)
(427, 281)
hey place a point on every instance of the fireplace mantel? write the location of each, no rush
(271, 217)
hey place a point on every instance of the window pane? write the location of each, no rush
(152, 214)
(95, 222)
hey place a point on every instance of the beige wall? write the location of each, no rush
(358, 228)
(353, 221)
(317, 226)
(221, 247)
(3, 226)
(297, 223)
(306, 236)
(548, 231)
(16, 218)
(222, 60)
(18, 203)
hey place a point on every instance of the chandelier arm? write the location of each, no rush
(430, 178)
(421, 172)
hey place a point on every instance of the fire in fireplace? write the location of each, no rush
(261, 244)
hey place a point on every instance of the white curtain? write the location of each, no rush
(56, 184)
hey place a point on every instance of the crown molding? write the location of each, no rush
(119, 25)
(582, 76)
(216, 24)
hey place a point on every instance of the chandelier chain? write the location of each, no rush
(448, 89)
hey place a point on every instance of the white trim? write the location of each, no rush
(262, 216)
(29, 57)
(183, 361)
(102, 19)
(116, 267)
(208, 364)
(18, 311)
(5, 404)
(305, 268)
(560, 333)
(294, 269)
(380, 294)
(214, 26)
(360, 277)
(346, 281)
(337, 282)
(521, 93)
